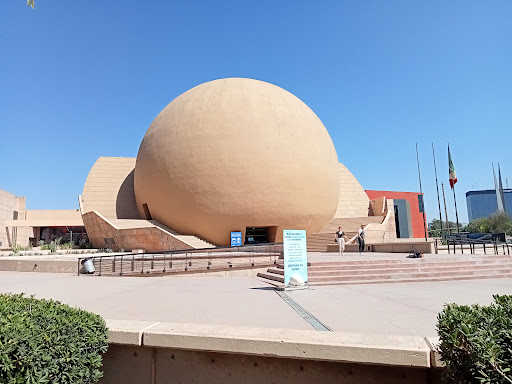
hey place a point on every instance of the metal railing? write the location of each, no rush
(485, 245)
(185, 260)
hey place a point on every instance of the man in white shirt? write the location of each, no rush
(360, 239)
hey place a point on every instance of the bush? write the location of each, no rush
(16, 248)
(476, 342)
(85, 244)
(44, 341)
(68, 245)
(52, 247)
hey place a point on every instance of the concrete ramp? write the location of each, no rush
(129, 234)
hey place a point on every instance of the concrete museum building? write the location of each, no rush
(229, 155)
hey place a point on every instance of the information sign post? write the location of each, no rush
(295, 259)
(236, 239)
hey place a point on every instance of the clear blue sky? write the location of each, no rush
(82, 79)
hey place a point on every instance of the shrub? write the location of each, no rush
(40, 243)
(16, 248)
(44, 341)
(68, 245)
(85, 244)
(476, 342)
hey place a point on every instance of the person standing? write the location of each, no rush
(340, 238)
(360, 239)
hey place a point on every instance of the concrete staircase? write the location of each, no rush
(431, 268)
(319, 241)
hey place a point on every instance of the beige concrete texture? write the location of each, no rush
(135, 234)
(378, 207)
(353, 200)
(173, 352)
(236, 153)
(296, 344)
(27, 264)
(130, 364)
(384, 232)
(109, 188)
(12, 208)
(49, 218)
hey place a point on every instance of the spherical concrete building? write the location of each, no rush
(237, 155)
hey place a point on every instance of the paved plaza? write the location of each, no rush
(395, 308)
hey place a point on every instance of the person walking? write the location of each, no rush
(360, 239)
(340, 238)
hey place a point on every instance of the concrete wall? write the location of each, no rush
(142, 235)
(385, 231)
(12, 208)
(353, 200)
(378, 207)
(70, 215)
(154, 353)
(109, 188)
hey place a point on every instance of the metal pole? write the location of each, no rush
(437, 187)
(421, 191)
(456, 214)
(446, 214)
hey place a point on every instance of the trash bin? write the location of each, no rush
(88, 266)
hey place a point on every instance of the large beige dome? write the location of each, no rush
(236, 153)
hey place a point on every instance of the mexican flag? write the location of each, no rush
(453, 175)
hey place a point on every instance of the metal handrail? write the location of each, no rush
(186, 256)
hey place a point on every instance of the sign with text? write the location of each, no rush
(236, 239)
(295, 257)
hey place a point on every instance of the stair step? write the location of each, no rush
(276, 271)
(396, 276)
(387, 267)
(413, 280)
(272, 277)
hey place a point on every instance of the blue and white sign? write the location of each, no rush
(295, 258)
(236, 239)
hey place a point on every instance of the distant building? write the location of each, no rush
(408, 213)
(484, 203)
(21, 226)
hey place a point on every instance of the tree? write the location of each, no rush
(434, 228)
(31, 3)
(497, 223)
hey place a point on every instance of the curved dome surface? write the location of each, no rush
(236, 153)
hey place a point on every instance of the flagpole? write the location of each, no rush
(437, 187)
(421, 191)
(453, 180)
(446, 214)
(456, 214)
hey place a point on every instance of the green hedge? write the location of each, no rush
(476, 342)
(44, 341)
